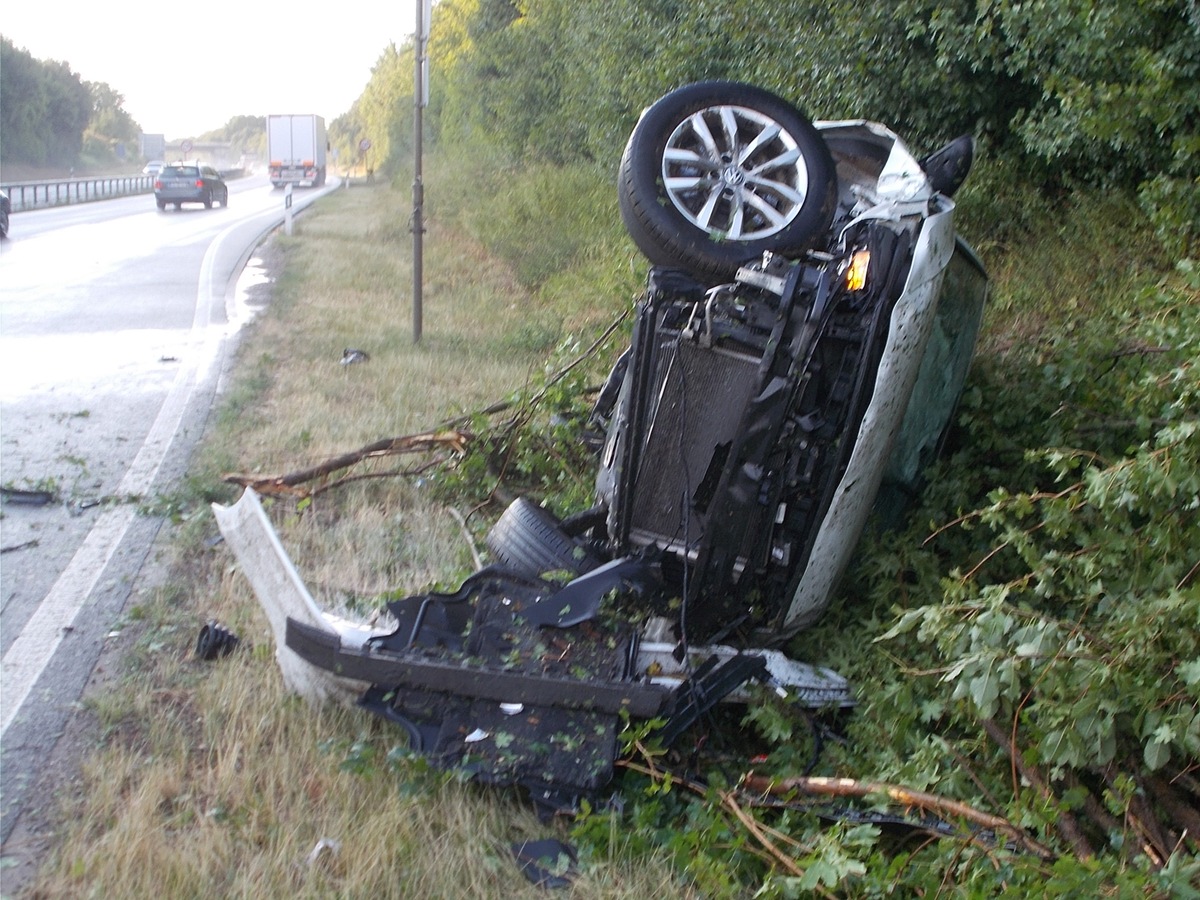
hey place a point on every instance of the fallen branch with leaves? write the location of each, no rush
(450, 442)
(943, 807)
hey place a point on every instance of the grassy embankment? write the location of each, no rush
(206, 779)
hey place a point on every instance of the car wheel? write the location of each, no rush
(208, 200)
(531, 540)
(225, 198)
(162, 204)
(716, 173)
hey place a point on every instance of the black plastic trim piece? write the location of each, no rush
(324, 649)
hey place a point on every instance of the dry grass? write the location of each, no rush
(210, 781)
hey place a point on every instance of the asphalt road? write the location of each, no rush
(116, 320)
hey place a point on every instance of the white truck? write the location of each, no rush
(296, 148)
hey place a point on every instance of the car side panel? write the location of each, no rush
(911, 322)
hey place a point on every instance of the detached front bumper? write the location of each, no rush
(499, 676)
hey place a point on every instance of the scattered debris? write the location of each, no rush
(517, 679)
(215, 640)
(25, 546)
(324, 846)
(547, 863)
(76, 508)
(27, 497)
(282, 594)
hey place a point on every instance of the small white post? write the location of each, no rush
(287, 209)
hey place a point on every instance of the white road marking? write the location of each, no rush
(38, 641)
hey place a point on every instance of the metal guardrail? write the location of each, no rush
(25, 195)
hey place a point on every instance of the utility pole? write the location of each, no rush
(420, 101)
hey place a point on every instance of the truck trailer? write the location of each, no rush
(296, 148)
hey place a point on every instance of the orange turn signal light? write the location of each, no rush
(856, 275)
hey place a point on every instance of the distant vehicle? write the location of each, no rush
(153, 146)
(181, 183)
(153, 167)
(296, 149)
(5, 209)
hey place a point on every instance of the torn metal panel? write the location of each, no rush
(814, 687)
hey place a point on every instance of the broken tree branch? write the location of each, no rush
(449, 436)
(409, 472)
(942, 806)
(767, 848)
(1185, 817)
(291, 484)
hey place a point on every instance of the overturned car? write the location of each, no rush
(796, 359)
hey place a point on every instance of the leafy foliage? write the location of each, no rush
(1099, 93)
(532, 445)
(44, 109)
(1078, 630)
(1037, 656)
(109, 125)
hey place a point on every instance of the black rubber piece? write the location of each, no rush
(669, 239)
(215, 640)
(531, 540)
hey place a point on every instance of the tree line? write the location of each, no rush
(49, 116)
(1059, 92)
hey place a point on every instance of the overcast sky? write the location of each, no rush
(187, 68)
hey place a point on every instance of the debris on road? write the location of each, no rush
(27, 497)
(548, 863)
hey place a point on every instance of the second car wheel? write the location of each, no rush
(531, 540)
(718, 172)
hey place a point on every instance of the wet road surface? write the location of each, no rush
(115, 324)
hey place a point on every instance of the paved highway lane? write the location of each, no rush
(115, 321)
